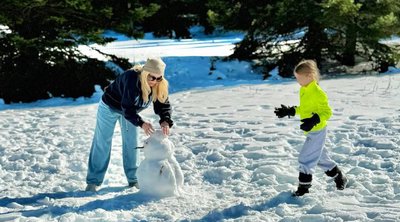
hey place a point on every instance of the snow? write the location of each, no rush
(239, 161)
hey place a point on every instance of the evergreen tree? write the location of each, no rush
(175, 17)
(281, 33)
(359, 29)
(39, 55)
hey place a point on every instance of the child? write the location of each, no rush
(314, 112)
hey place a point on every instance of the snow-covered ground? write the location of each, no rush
(239, 161)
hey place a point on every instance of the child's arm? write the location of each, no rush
(298, 110)
(324, 111)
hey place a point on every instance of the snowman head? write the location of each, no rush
(157, 146)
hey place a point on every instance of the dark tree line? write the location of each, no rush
(280, 33)
(175, 17)
(39, 58)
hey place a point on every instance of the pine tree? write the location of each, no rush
(281, 33)
(39, 55)
(175, 17)
(359, 28)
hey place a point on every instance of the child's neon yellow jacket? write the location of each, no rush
(314, 100)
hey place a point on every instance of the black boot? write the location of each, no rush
(302, 189)
(341, 181)
(304, 184)
(339, 178)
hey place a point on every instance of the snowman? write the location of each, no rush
(159, 174)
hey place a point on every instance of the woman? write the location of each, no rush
(123, 99)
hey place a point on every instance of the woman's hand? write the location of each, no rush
(165, 128)
(148, 128)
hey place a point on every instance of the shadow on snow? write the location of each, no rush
(122, 202)
(241, 209)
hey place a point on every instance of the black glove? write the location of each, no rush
(168, 120)
(285, 111)
(309, 123)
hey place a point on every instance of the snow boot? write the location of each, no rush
(301, 190)
(304, 184)
(92, 187)
(339, 178)
(134, 184)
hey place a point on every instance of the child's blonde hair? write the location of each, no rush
(160, 91)
(308, 67)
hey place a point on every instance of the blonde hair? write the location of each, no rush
(307, 67)
(160, 91)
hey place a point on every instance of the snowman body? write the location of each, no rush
(159, 174)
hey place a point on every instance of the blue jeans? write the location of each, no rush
(100, 151)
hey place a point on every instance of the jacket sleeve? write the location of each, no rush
(129, 93)
(324, 111)
(164, 111)
(298, 110)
